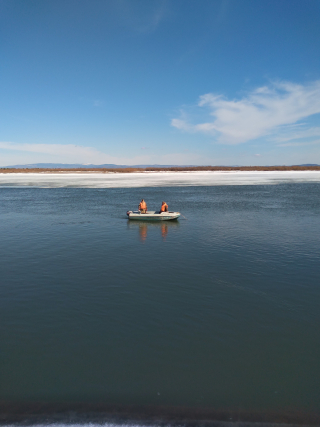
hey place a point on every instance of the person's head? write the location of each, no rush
(142, 200)
(163, 203)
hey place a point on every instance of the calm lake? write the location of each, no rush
(218, 310)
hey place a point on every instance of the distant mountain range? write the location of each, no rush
(106, 166)
(78, 166)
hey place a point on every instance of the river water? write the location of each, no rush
(218, 310)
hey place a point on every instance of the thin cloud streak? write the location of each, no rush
(144, 23)
(296, 133)
(97, 103)
(262, 112)
(53, 149)
(69, 153)
(299, 144)
(154, 21)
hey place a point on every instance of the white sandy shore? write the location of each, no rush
(155, 179)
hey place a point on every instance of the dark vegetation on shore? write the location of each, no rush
(160, 169)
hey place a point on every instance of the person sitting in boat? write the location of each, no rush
(164, 207)
(142, 207)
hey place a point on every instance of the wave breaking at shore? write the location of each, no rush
(100, 415)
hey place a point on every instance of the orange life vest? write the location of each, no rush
(143, 205)
(164, 207)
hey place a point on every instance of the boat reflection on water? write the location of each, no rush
(143, 227)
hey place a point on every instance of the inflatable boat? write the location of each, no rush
(153, 215)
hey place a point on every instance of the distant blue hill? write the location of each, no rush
(109, 166)
(78, 166)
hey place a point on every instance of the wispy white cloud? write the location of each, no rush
(264, 111)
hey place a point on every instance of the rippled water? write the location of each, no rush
(219, 310)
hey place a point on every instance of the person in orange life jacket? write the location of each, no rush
(142, 206)
(164, 207)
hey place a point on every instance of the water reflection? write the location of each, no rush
(143, 232)
(144, 227)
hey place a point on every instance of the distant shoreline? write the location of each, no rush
(169, 169)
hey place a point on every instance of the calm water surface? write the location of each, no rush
(217, 310)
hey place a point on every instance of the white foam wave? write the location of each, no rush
(155, 179)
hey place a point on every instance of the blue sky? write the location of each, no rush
(220, 82)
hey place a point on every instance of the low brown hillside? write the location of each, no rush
(169, 169)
